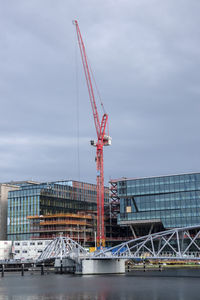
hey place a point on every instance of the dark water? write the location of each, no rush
(170, 284)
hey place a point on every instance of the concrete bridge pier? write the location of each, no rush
(102, 266)
(65, 265)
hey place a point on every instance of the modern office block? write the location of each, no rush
(156, 203)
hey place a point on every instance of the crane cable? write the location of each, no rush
(77, 108)
(97, 90)
(96, 87)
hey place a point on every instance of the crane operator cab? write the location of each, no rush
(107, 141)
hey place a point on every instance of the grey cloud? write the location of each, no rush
(145, 57)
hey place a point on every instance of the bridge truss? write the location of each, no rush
(178, 244)
(175, 244)
(62, 247)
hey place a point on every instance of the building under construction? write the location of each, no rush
(74, 200)
(45, 210)
(78, 226)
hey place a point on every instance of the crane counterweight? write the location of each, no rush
(107, 140)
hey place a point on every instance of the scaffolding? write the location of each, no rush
(114, 232)
(80, 227)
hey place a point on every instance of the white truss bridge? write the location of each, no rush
(175, 244)
(179, 244)
(63, 247)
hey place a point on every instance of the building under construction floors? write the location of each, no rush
(80, 227)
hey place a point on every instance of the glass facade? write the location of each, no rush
(21, 204)
(44, 199)
(174, 201)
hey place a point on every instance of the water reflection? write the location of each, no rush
(175, 284)
(81, 296)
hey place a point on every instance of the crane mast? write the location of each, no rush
(102, 140)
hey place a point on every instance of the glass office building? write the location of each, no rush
(164, 202)
(36, 199)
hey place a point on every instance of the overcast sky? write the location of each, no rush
(146, 60)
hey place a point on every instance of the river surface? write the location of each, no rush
(152, 285)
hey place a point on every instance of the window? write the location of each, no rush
(39, 243)
(128, 209)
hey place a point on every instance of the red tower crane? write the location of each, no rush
(102, 140)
